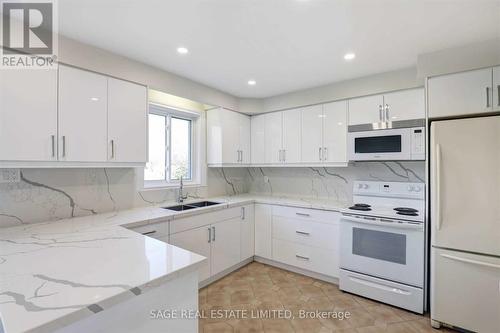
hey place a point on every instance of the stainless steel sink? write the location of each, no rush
(193, 205)
(203, 203)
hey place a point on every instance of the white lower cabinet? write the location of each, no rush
(247, 232)
(311, 258)
(306, 238)
(197, 241)
(263, 226)
(225, 244)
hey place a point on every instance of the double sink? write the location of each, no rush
(192, 205)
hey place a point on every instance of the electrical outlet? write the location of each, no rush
(10, 176)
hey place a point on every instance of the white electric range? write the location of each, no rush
(382, 246)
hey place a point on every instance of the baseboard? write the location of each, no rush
(297, 270)
(225, 272)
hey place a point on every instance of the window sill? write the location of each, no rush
(153, 187)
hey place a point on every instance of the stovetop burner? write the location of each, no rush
(407, 213)
(361, 207)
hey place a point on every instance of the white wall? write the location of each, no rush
(462, 58)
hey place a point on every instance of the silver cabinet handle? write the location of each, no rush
(303, 214)
(387, 112)
(209, 234)
(242, 213)
(380, 113)
(325, 153)
(241, 153)
(498, 94)
(319, 152)
(284, 155)
(112, 149)
(64, 146)
(213, 234)
(488, 97)
(237, 156)
(302, 257)
(53, 138)
(149, 233)
(302, 233)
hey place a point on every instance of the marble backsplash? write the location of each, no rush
(52, 194)
(330, 183)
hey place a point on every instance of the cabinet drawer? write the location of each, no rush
(307, 214)
(306, 232)
(196, 221)
(306, 257)
(156, 230)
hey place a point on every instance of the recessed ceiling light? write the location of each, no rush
(252, 82)
(349, 56)
(182, 50)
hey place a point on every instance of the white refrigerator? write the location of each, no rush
(465, 223)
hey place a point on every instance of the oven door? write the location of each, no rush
(389, 250)
(392, 144)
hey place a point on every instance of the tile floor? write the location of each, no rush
(257, 287)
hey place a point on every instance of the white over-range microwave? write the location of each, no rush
(386, 144)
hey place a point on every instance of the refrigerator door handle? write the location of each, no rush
(471, 261)
(438, 187)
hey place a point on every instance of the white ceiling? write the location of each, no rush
(285, 45)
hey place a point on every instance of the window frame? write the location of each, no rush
(195, 167)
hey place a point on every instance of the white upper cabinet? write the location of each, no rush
(335, 132)
(366, 110)
(404, 105)
(496, 89)
(461, 93)
(258, 144)
(292, 136)
(28, 115)
(244, 139)
(312, 136)
(274, 137)
(127, 114)
(394, 106)
(82, 116)
(228, 134)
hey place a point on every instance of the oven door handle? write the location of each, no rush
(385, 224)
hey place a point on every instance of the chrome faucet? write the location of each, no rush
(181, 197)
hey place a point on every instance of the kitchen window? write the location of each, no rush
(172, 148)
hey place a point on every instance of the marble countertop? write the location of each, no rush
(55, 273)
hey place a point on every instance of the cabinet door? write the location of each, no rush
(244, 138)
(404, 105)
(126, 121)
(263, 227)
(292, 136)
(335, 132)
(28, 115)
(197, 241)
(258, 145)
(225, 244)
(273, 128)
(312, 136)
(230, 136)
(82, 116)
(366, 110)
(222, 136)
(496, 88)
(247, 232)
(460, 94)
